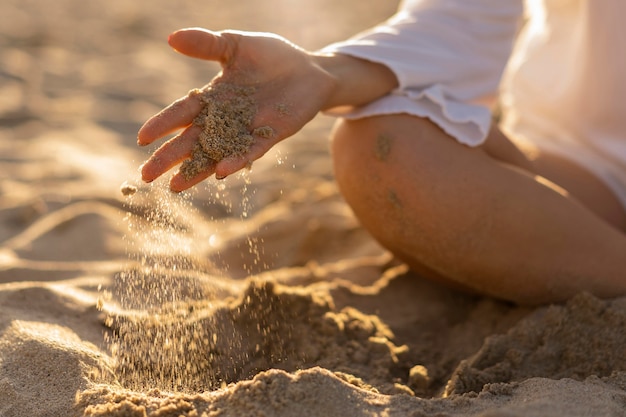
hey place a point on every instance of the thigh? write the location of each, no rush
(574, 179)
(582, 185)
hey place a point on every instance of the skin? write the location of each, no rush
(487, 219)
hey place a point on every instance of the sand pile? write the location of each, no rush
(576, 341)
(289, 351)
(199, 347)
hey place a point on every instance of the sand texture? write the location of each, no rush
(258, 295)
(224, 126)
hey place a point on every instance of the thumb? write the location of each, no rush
(203, 44)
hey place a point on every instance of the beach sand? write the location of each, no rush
(258, 295)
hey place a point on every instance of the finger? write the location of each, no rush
(177, 115)
(179, 183)
(230, 165)
(203, 44)
(170, 154)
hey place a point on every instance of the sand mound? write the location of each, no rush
(296, 354)
(575, 341)
(320, 393)
(270, 326)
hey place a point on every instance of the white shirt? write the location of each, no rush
(558, 67)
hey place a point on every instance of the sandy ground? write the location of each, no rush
(258, 296)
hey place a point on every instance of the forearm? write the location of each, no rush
(357, 81)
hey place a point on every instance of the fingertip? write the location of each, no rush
(172, 37)
(175, 36)
(229, 166)
(197, 43)
(180, 183)
(142, 136)
(151, 130)
(146, 175)
(221, 171)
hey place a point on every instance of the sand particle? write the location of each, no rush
(264, 132)
(128, 189)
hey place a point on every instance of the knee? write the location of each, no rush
(359, 147)
(359, 151)
(381, 152)
(348, 149)
(385, 167)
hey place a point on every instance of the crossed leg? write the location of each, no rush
(482, 219)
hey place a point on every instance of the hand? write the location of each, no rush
(290, 89)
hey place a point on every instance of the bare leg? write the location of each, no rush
(578, 182)
(475, 218)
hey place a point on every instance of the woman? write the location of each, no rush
(535, 215)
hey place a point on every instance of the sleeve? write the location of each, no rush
(448, 56)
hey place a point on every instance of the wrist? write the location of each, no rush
(356, 81)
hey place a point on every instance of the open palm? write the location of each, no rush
(289, 90)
